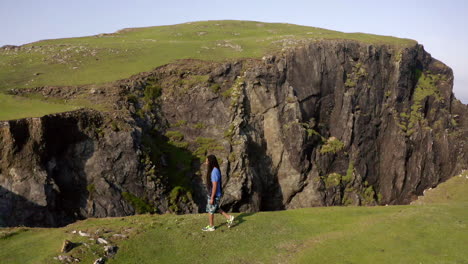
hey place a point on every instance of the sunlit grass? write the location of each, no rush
(93, 59)
(15, 107)
(435, 231)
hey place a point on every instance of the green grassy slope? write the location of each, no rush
(98, 59)
(433, 231)
(109, 57)
(14, 107)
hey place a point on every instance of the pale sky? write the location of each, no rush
(441, 26)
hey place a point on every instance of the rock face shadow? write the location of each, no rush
(43, 181)
(271, 194)
(16, 210)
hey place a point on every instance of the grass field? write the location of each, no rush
(434, 230)
(14, 107)
(109, 57)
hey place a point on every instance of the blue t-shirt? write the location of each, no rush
(216, 177)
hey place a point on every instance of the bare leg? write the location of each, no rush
(224, 213)
(211, 217)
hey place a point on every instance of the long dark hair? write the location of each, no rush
(212, 163)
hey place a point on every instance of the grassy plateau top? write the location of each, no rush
(109, 57)
(105, 58)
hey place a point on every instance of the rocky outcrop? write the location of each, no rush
(328, 123)
(63, 167)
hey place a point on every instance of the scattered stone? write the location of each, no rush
(269, 58)
(67, 259)
(67, 246)
(73, 232)
(110, 250)
(119, 235)
(102, 241)
(228, 44)
(99, 261)
(9, 47)
(83, 234)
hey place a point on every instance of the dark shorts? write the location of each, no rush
(212, 208)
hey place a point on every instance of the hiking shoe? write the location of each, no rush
(208, 228)
(230, 221)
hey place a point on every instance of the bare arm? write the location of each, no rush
(213, 191)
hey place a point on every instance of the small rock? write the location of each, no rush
(110, 250)
(83, 234)
(119, 235)
(102, 241)
(268, 58)
(99, 261)
(67, 246)
(67, 259)
(73, 232)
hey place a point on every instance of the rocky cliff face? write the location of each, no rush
(327, 123)
(63, 167)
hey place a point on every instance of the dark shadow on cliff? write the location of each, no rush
(177, 164)
(265, 178)
(67, 151)
(59, 149)
(15, 210)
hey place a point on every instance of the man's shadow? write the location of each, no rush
(239, 219)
